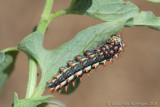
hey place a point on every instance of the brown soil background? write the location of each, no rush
(135, 77)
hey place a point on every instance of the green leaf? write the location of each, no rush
(146, 19)
(109, 10)
(51, 60)
(7, 59)
(106, 10)
(31, 102)
(52, 103)
(2, 57)
(15, 98)
(155, 1)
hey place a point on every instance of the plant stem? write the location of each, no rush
(40, 89)
(57, 14)
(10, 49)
(42, 26)
(43, 23)
(32, 78)
(46, 18)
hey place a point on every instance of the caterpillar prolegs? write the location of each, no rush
(83, 64)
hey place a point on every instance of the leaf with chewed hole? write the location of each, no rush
(7, 60)
(51, 60)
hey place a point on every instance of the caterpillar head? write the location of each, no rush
(115, 39)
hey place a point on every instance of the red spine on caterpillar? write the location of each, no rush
(83, 64)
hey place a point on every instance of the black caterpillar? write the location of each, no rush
(85, 63)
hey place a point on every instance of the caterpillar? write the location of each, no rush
(83, 64)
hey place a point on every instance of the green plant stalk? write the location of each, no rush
(57, 14)
(41, 87)
(43, 23)
(32, 78)
(46, 18)
(10, 49)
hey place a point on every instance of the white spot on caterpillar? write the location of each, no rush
(79, 72)
(63, 83)
(87, 68)
(104, 61)
(57, 87)
(71, 77)
(58, 76)
(96, 64)
(66, 69)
